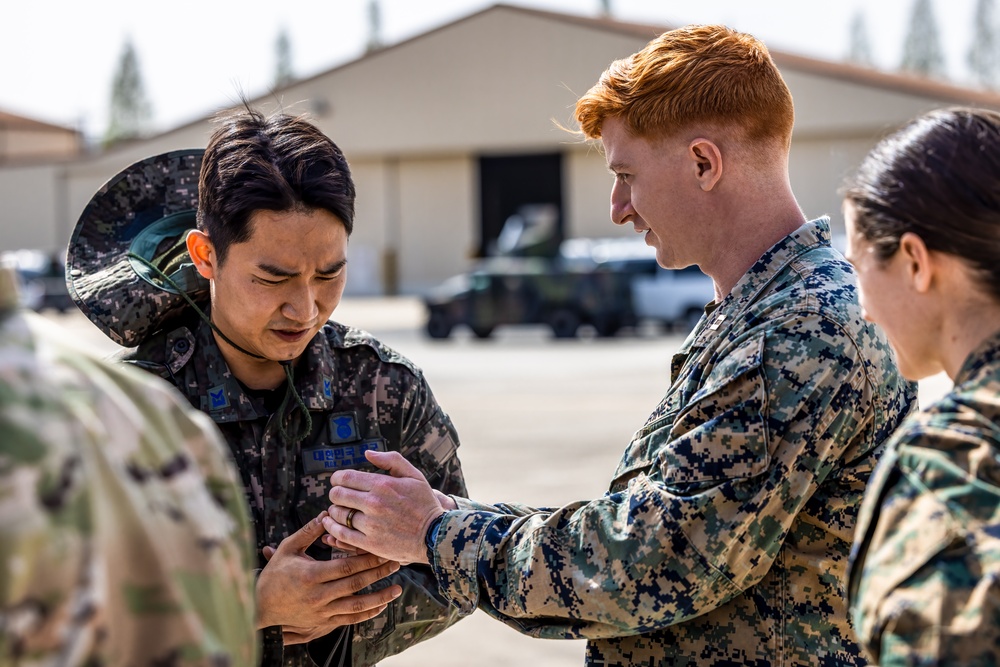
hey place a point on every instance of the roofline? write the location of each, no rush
(903, 83)
(8, 119)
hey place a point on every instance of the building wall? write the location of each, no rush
(28, 143)
(32, 204)
(415, 118)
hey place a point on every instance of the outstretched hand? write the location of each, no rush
(393, 512)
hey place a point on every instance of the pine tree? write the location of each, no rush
(605, 7)
(131, 112)
(374, 26)
(860, 49)
(283, 73)
(984, 53)
(922, 49)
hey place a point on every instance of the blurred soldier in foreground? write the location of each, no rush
(236, 315)
(724, 535)
(925, 571)
(124, 537)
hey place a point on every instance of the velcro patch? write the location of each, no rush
(217, 398)
(330, 459)
(343, 427)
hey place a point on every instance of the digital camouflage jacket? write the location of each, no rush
(124, 535)
(925, 571)
(361, 395)
(724, 536)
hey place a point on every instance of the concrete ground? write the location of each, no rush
(541, 421)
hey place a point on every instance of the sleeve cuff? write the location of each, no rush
(456, 556)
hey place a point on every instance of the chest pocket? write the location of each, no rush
(338, 442)
(719, 434)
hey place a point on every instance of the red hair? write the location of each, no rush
(703, 74)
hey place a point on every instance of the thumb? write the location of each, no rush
(394, 464)
(303, 538)
(268, 552)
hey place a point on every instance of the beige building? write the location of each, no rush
(25, 139)
(449, 132)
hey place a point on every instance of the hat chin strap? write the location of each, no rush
(290, 391)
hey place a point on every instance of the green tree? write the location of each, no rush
(283, 73)
(131, 112)
(605, 7)
(374, 26)
(922, 49)
(984, 53)
(860, 49)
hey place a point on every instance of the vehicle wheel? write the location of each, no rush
(439, 325)
(481, 331)
(564, 323)
(606, 325)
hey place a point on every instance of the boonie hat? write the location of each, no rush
(145, 210)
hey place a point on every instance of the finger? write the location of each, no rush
(342, 548)
(393, 463)
(344, 535)
(303, 538)
(291, 635)
(339, 514)
(446, 501)
(268, 552)
(358, 480)
(349, 497)
(365, 569)
(351, 605)
(341, 620)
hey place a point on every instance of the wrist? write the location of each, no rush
(430, 537)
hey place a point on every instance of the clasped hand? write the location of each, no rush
(393, 512)
(310, 598)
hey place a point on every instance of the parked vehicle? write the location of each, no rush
(43, 280)
(607, 284)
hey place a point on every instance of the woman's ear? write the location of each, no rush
(918, 263)
(707, 160)
(202, 253)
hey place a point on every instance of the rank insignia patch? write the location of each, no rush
(217, 398)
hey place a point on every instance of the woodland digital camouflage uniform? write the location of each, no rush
(724, 536)
(124, 537)
(361, 395)
(925, 572)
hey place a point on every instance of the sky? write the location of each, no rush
(196, 56)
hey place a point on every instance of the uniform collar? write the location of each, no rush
(981, 362)
(810, 235)
(222, 396)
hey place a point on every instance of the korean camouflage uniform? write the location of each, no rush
(124, 535)
(724, 536)
(361, 395)
(925, 572)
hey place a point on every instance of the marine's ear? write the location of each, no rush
(707, 159)
(918, 265)
(202, 253)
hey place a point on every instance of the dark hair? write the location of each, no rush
(939, 178)
(699, 73)
(275, 163)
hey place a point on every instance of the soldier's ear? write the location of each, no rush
(202, 253)
(706, 160)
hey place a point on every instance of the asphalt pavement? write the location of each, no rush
(541, 421)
